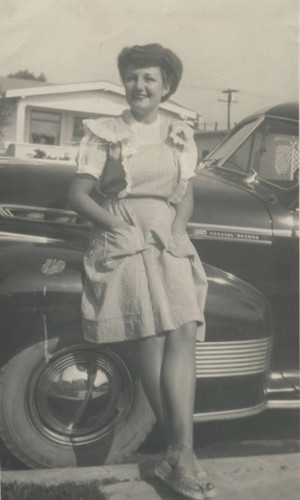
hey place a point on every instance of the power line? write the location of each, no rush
(241, 92)
(229, 93)
(199, 87)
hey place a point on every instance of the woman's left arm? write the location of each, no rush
(184, 210)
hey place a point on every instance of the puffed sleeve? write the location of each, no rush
(186, 154)
(189, 157)
(92, 155)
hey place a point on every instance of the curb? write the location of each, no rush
(241, 468)
(108, 474)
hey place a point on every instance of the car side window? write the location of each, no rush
(277, 155)
(272, 151)
(241, 157)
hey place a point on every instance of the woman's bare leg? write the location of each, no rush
(178, 382)
(168, 374)
(151, 353)
(168, 371)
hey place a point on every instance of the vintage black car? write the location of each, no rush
(64, 402)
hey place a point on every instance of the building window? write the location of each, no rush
(78, 129)
(44, 127)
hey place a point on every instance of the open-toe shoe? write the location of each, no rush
(179, 479)
(169, 458)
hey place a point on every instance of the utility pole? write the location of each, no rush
(229, 93)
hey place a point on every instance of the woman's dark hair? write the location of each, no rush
(153, 54)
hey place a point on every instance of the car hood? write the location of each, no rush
(225, 203)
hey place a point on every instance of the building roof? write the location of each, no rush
(7, 83)
(45, 88)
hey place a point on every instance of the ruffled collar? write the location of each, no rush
(119, 129)
(178, 133)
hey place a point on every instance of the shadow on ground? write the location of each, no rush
(272, 432)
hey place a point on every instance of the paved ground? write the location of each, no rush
(254, 459)
(268, 477)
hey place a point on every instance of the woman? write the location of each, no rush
(144, 280)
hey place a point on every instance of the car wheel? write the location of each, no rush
(83, 406)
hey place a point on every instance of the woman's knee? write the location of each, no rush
(187, 332)
(152, 345)
(184, 336)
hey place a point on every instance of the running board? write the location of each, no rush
(229, 414)
(292, 404)
(247, 412)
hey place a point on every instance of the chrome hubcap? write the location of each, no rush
(82, 395)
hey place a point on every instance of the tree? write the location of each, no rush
(28, 75)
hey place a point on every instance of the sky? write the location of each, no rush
(248, 45)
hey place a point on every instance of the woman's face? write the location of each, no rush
(144, 88)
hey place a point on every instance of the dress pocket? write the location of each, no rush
(120, 243)
(108, 248)
(181, 245)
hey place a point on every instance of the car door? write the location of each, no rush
(245, 223)
(275, 159)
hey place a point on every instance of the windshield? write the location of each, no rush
(234, 141)
(271, 150)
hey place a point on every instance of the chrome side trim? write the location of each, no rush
(7, 207)
(291, 404)
(283, 233)
(26, 238)
(233, 359)
(230, 233)
(226, 233)
(232, 228)
(229, 414)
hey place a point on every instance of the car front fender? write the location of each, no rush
(234, 309)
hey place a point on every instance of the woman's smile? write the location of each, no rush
(139, 96)
(144, 88)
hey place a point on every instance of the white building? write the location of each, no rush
(45, 121)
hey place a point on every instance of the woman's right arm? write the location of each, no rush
(81, 201)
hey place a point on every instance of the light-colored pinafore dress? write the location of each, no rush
(140, 281)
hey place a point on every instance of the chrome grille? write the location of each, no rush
(231, 359)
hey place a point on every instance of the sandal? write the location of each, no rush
(165, 470)
(168, 458)
(180, 480)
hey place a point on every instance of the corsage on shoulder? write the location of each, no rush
(180, 134)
